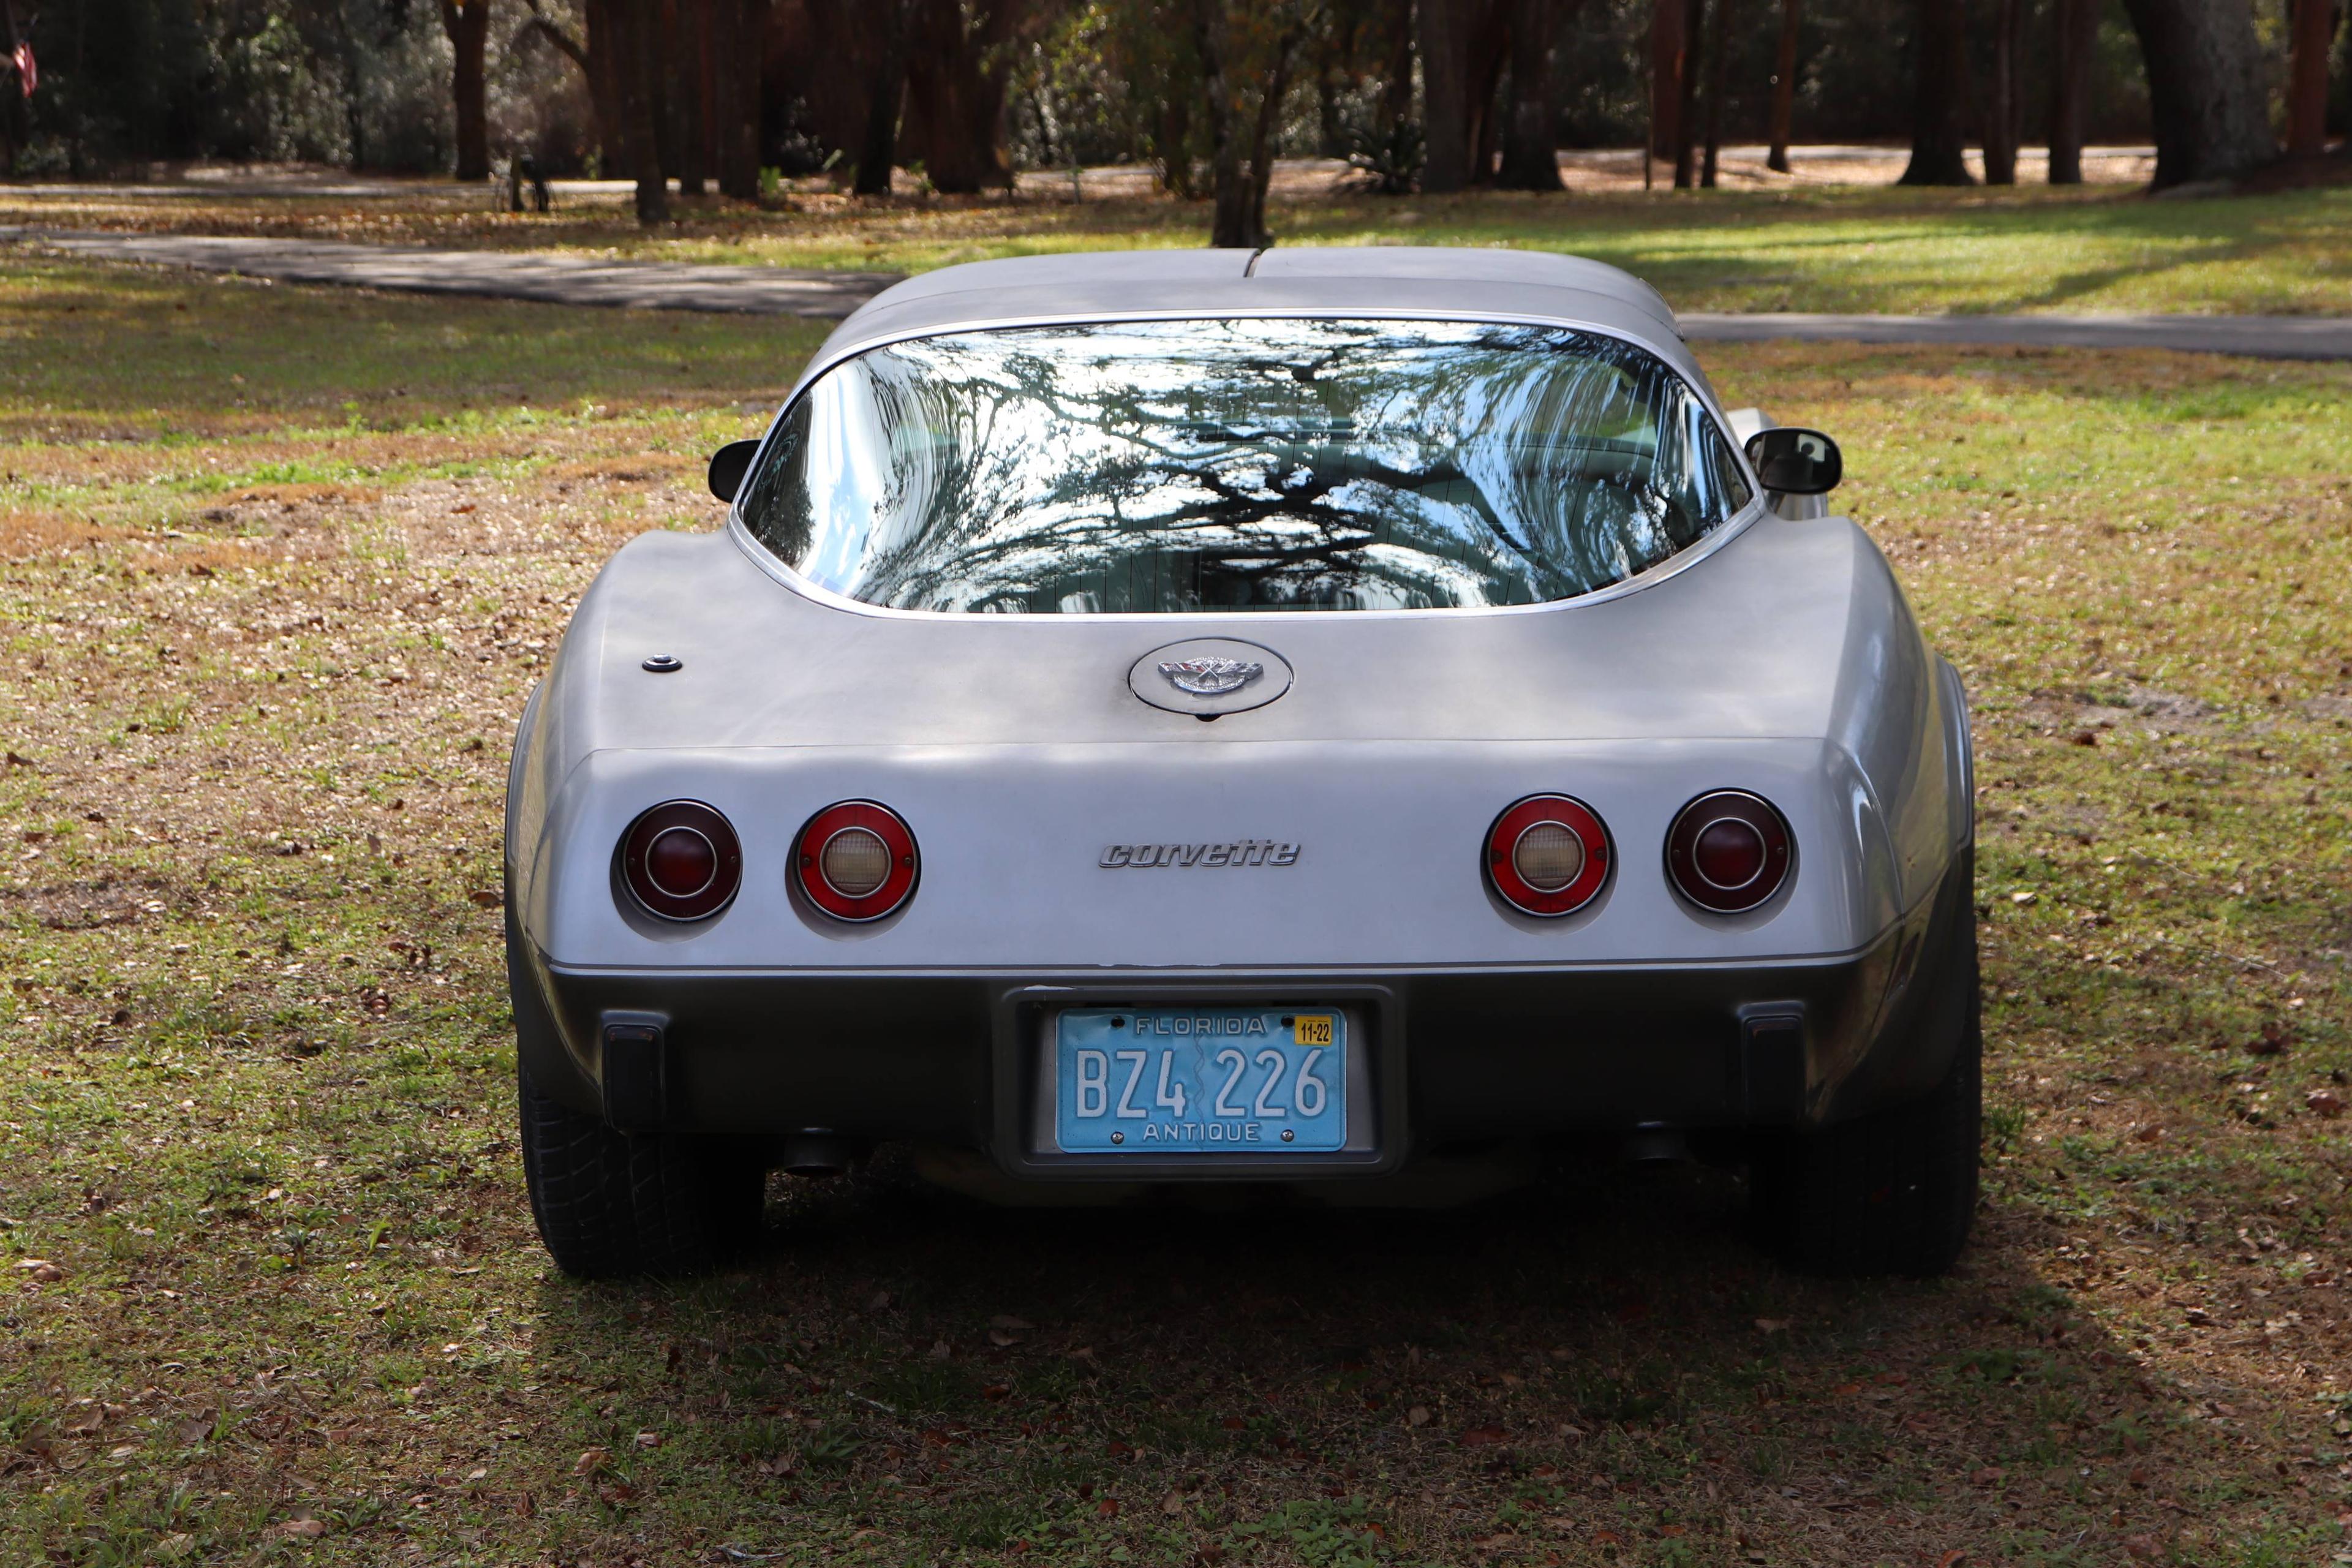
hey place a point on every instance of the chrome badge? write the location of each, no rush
(1209, 677)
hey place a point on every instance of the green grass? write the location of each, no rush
(255, 1102)
(1836, 249)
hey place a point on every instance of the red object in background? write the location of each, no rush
(28, 69)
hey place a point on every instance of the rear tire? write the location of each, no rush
(610, 1204)
(1892, 1192)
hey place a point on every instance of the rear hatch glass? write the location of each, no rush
(1278, 464)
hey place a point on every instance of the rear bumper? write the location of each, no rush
(1452, 1056)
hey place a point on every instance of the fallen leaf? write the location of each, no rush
(486, 898)
(1844, 1390)
(1773, 1325)
(1106, 1509)
(2320, 1102)
(2197, 1316)
(1003, 1339)
(996, 1391)
(2272, 1042)
(880, 1303)
(2023, 897)
(175, 1545)
(1987, 1476)
(1608, 1538)
(1481, 1437)
(648, 1439)
(1011, 1324)
(1417, 1416)
(303, 1528)
(941, 1349)
(1952, 1559)
(590, 1461)
(2148, 1134)
(194, 1430)
(41, 1268)
(1172, 1503)
(123, 1451)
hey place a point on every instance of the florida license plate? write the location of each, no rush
(1160, 1080)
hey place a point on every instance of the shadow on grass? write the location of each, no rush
(1598, 1361)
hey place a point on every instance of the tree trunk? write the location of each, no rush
(623, 29)
(1487, 50)
(1445, 159)
(688, 56)
(885, 91)
(1530, 162)
(2307, 94)
(2075, 30)
(955, 52)
(1719, 49)
(1938, 131)
(1687, 104)
(735, 41)
(1784, 88)
(2000, 107)
(467, 23)
(2205, 88)
(1667, 30)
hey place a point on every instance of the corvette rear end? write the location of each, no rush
(1209, 735)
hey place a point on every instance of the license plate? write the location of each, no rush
(1201, 1080)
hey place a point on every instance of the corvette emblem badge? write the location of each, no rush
(1209, 677)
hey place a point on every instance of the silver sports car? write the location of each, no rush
(1342, 721)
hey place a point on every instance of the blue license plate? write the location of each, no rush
(1201, 1080)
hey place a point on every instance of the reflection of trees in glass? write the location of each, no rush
(1243, 464)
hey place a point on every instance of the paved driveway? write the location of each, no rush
(790, 292)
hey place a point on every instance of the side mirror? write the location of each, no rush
(1793, 461)
(731, 462)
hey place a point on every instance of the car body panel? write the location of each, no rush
(1779, 656)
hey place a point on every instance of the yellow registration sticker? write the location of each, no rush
(1313, 1029)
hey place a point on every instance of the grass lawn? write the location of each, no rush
(277, 569)
(1838, 250)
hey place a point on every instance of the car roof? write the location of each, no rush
(1375, 280)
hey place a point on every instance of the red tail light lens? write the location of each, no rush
(1728, 851)
(1548, 855)
(681, 861)
(856, 860)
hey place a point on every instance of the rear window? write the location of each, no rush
(1249, 464)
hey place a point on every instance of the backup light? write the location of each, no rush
(1548, 855)
(856, 860)
(1728, 850)
(681, 861)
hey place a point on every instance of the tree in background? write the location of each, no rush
(1530, 135)
(2001, 120)
(1784, 88)
(886, 96)
(958, 59)
(2205, 86)
(2313, 40)
(1247, 49)
(2075, 34)
(467, 23)
(1938, 130)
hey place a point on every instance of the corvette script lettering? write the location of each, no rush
(1211, 677)
(1240, 852)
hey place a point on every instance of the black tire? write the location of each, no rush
(1895, 1193)
(610, 1204)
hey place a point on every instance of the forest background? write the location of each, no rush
(743, 96)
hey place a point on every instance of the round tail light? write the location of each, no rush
(681, 861)
(856, 860)
(1548, 855)
(1728, 851)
